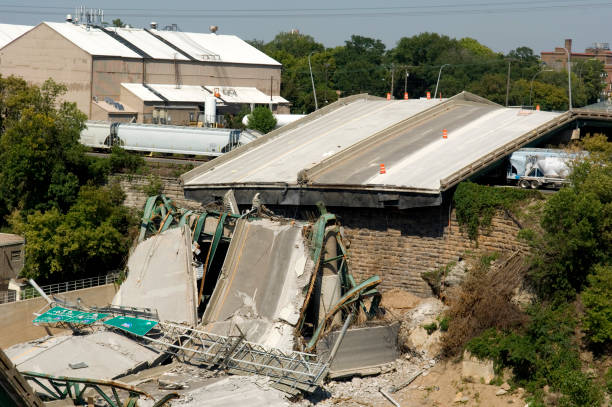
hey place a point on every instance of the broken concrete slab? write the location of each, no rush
(363, 351)
(161, 277)
(235, 390)
(107, 355)
(262, 283)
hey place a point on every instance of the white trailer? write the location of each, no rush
(537, 167)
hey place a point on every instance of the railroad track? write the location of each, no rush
(166, 160)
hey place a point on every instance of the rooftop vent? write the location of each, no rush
(68, 18)
(213, 28)
(153, 25)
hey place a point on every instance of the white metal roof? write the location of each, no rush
(210, 47)
(243, 94)
(186, 93)
(92, 40)
(149, 44)
(8, 32)
(141, 92)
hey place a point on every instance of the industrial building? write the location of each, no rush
(143, 75)
(557, 59)
(12, 250)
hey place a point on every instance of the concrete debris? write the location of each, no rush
(363, 351)
(261, 285)
(413, 336)
(107, 355)
(476, 369)
(456, 274)
(161, 277)
(80, 365)
(235, 391)
(501, 392)
(461, 399)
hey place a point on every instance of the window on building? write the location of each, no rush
(15, 255)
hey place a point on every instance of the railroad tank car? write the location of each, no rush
(162, 138)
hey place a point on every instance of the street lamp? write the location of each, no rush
(532, 78)
(438, 82)
(569, 77)
(314, 92)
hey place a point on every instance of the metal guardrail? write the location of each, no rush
(58, 288)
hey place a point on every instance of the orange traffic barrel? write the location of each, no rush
(382, 169)
(405, 95)
(444, 133)
(428, 95)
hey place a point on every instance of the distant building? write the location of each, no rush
(11, 257)
(557, 59)
(133, 74)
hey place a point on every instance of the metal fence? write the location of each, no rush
(8, 296)
(51, 289)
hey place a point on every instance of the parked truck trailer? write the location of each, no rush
(539, 167)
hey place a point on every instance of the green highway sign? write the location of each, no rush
(136, 326)
(60, 314)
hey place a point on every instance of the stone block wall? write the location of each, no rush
(400, 245)
(134, 186)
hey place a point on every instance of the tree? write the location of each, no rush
(359, 66)
(597, 299)
(90, 239)
(262, 120)
(118, 23)
(42, 163)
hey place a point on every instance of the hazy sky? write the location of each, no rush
(501, 25)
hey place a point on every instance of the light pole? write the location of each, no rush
(569, 77)
(532, 78)
(314, 92)
(438, 82)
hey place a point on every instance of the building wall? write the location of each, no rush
(16, 317)
(11, 260)
(400, 245)
(109, 73)
(42, 54)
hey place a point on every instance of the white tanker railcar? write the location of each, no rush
(162, 138)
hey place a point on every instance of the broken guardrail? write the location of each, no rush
(62, 387)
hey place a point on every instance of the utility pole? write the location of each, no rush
(392, 78)
(314, 92)
(508, 84)
(406, 82)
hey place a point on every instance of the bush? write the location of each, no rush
(542, 354)
(483, 301)
(476, 204)
(262, 120)
(122, 160)
(597, 299)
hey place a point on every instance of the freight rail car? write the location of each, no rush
(162, 138)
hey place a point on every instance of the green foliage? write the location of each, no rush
(476, 204)
(434, 278)
(577, 227)
(118, 23)
(544, 354)
(597, 299)
(122, 161)
(91, 238)
(42, 163)
(262, 120)
(430, 328)
(444, 324)
(155, 186)
(608, 379)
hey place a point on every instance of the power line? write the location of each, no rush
(347, 13)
